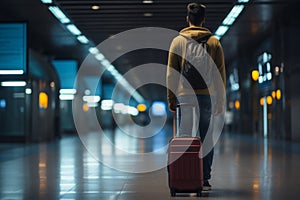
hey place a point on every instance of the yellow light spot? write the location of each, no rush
(95, 7)
(255, 186)
(141, 107)
(85, 107)
(262, 101)
(269, 100)
(43, 100)
(237, 104)
(42, 164)
(269, 116)
(273, 94)
(278, 94)
(255, 75)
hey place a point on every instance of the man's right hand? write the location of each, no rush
(172, 107)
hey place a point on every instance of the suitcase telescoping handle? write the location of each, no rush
(176, 116)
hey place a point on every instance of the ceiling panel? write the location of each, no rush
(51, 38)
(116, 16)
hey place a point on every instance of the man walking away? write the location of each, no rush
(195, 19)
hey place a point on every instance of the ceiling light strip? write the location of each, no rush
(93, 50)
(59, 14)
(73, 29)
(230, 18)
(222, 30)
(82, 39)
(147, 2)
(46, 1)
(13, 83)
(11, 72)
(243, 1)
(121, 80)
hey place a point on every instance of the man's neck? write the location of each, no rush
(200, 25)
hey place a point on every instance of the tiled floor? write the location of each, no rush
(244, 168)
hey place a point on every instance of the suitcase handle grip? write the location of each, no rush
(176, 116)
(185, 104)
(174, 124)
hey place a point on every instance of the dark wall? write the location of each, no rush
(282, 41)
(293, 78)
(22, 118)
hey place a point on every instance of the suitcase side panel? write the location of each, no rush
(185, 165)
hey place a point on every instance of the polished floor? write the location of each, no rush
(244, 168)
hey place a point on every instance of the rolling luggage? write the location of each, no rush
(185, 167)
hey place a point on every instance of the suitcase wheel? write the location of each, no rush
(173, 193)
(199, 193)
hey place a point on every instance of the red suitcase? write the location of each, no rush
(185, 167)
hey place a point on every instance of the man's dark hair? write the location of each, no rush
(196, 13)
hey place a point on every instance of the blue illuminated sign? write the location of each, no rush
(158, 108)
(66, 70)
(265, 72)
(2, 103)
(13, 48)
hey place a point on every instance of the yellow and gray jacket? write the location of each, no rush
(176, 60)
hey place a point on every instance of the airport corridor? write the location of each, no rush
(245, 167)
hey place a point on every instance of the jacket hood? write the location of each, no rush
(195, 32)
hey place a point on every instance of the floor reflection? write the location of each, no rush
(244, 168)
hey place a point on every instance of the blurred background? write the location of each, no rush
(43, 44)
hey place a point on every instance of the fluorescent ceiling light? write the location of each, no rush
(147, 1)
(91, 99)
(95, 7)
(105, 63)
(13, 83)
(67, 91)
(228, 21)
(93, 50)
(99, 56)
(107, 104)
(222, 30)
(115, 73)
(236, 10)
(59, 14)
(112, 70)
(73, 29)
(82, 39)
(132, 111)
(46, 1)
(66, 97)
(148, 14)
(234, 13)
(124, 109)
(243, 1)
(8, 72)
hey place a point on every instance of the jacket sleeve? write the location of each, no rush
(220, 62)
(173, 72)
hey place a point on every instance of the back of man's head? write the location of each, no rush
(196, 13)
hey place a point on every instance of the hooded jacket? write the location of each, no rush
(176, 60)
